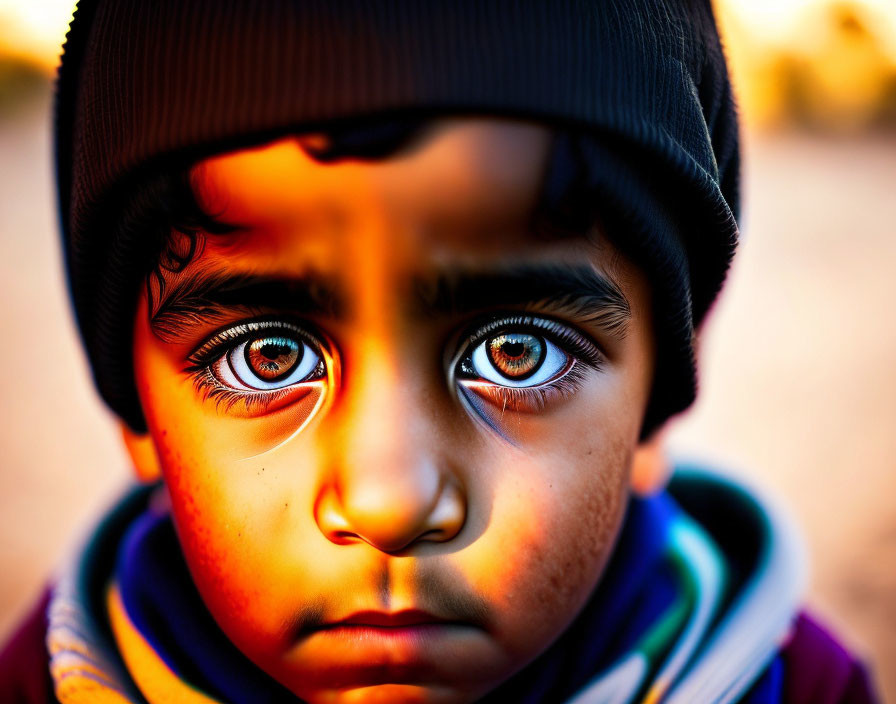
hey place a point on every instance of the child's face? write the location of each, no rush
(396, 426)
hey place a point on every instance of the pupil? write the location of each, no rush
(272, 350)
(513, 349)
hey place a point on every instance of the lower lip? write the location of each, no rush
(408, 643)
(355, 655)
(398, 634)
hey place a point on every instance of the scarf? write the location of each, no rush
(693, 606)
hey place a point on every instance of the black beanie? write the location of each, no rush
(143, 82)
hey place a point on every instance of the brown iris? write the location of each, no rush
(516, 355)
(271, 358)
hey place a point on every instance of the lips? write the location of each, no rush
(379, 619)
(370, 647)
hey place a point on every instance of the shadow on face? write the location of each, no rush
(395, 423)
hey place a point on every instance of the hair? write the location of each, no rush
(646, 136)
(164, 206)
(162, 227)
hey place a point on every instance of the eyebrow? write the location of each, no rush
(202, 298)
(577, 289)
(580, 290)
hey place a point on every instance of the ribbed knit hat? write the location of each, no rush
(144, 82)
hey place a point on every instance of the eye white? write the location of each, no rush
(554, 363)
(233, 370)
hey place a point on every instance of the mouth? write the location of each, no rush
(407, 619)
(400, 647)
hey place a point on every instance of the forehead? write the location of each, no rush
(464, 187)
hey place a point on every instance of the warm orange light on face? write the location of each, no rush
(366, 534)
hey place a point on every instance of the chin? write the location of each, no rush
(390, 694)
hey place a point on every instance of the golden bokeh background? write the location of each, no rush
(798, 361)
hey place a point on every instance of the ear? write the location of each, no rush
(143, 454)
(650, 466)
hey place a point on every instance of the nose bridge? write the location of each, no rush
(378, 455)
(386, 485)
(381, 450)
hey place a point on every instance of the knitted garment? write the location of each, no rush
(148, 84)
(690, 609)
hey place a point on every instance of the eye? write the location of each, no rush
(524, 364)
(518, 359)
(268, 362)
(259, 357)
(527, 352)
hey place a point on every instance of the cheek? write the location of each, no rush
(553, 524)
(237, 512)
(245, 529)
(218, 527)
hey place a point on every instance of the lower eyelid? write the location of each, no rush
(531, 399)
(505, 398)
(253, 402)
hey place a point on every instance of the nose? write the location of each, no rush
(388, 486)
(392, 517)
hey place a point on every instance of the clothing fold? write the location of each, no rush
(674, 613)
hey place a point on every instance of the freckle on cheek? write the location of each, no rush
(592, 518)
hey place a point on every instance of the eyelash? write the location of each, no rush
(533, 399)
(226, 399)
(201, 360)
(584, 353)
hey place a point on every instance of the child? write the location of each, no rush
(391, 300)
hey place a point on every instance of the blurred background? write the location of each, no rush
(798, 359)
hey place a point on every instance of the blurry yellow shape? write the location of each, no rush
(849, 76)
(34, 30)
(825, 64)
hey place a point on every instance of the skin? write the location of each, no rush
(380, 488)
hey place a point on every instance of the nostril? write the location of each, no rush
(448, 516)
(344, 537)
(332, 520)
